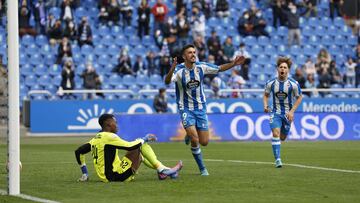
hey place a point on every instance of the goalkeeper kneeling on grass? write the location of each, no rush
(108, 166)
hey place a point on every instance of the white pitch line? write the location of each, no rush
(28, 197)
(293, 165)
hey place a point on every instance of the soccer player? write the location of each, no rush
(108, 166)
(286, 96)
(190, 97)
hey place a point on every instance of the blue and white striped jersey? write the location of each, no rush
(283, 94)
(189, 85)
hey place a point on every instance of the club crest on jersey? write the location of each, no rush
(193, 84)
(281, 95)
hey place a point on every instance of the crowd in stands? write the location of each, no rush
(171, 25)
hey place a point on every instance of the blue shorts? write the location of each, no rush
(198, 118)
(280, 121)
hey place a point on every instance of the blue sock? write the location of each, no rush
(196, 152)
(84, 169)
(275, 142)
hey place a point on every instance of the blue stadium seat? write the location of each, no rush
(325, 21)
(295, 50)
(142, 80)
(41, 40)
(339, 21)
(93, 12)
(120, 40)
(103, 30)
(56, 80)
(35, 59)
(340, 40)
(113, 50)
(128, 80)
(86, 49)
(332, 30)
(346, 31)
(250, 40)
(282, 50)
(256, 50)
(301, 59)
(313, 40)
(114, 80)
(80, 12)
(116, 30)
(282, 31)
(334, 49)
(232, 31)
(313, 22)
(327, 40)
(46, 49)
(23, 59)
(77, 58)
(30, 80)
(40, 70)
(263, 41)
(134, 40)
(270, 49)
(55, 11)
(27, 40)
(130, 31)
(26, 70)
(352, 40)
(213, 22)
(276, 40)
(340, 59)
(309, 50)
(147, 40)
(100, 50)
(31, 49)
(155, 79)
(45, 80)
(55, 70)
(262, 59)
(348, 50)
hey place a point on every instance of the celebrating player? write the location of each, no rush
(190, 97)
(283, 90)
(109, 167)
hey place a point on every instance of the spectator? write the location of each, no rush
(222, 8)
(277, 7)
(335, 74)
(310, 8)
(260, 24)
(204, 6)
(50, 23)
(151, 63)
(169, 34)
(139, 66)
(324, 79)
(236, 82)
(126, 11)
(159, 38)
(24, 22)
(55, 33)
(67, 10)
(159, 10)
(2, 10)
(160, 101)
(84, 32)
(293, 24)
(228, 48)
(164, 65)
(64, 51)
(40, 13)
(103, 16)
(91, 81)
(67, 79)
(197, 23)
(245, 24)
(143, 18)
(179, 6)
(200, 47)
(216, 85)
(323, 56)
(3, 78)
(357, 74)
(213, 44)
(309, 67)
(335, 5)
(350, 72)
(299, 77)
(70, 31)
(310, 84)
(182, 28)
(124, 65)
(113, 12)
(244, 72)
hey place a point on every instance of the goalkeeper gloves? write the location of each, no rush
(149, 138)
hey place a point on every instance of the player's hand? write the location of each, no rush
(239, 60)
(174, 64)
(149, 138)
(83, 178)
(290, 116)
(267, 109)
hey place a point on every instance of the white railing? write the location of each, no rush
(142, 92)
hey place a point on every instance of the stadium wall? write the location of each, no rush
(230, 119)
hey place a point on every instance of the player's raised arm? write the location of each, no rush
(239, 60)
(80, 158)
(171, 72)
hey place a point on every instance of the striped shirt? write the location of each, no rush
(283, 94)
(189, 85)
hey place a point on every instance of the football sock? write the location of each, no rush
(196, 152)
(276, 143)
(150, 158)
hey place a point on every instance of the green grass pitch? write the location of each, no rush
(50, 172)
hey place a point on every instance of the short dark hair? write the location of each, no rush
(104, 117)
(186, 47)
(161, 90)
(282, 59)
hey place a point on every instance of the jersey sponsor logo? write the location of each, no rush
(281, 95)
(193, 84)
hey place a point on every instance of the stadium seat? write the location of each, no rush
(332, 30)
(55, 11)
(103, 31)
(352, 40)
(80, 12)
(45, 80)
(155, 79)
(301, 59)
(120, 40)
(270, 49)
(27, 40)
(30, 80)
(26, 70)
(340, 40)
(142, 80)
(313, 22)
(327, 40)
(116, 30)
(32, 48)
(86, 49)
(256, 50)
(130, 31)
(263, 41)
(334, 49)
(313, 40)
(346, 31)
(295, 50)
(325, 21)
(128, 80)
(114, 80)
(41, 40)
(282, 31)
(339, 21)
(282, 50)
(55, 70)
(262, 59)
(40, 70)
(250, 40)
(35, 59)
(134, 40)
(276, 40)
(213, 22)
(100, 50)
(309, 50)
(113, 50)
(56, 80)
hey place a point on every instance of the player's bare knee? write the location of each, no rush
(204, 142)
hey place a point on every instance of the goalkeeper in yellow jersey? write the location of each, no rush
(108, 166)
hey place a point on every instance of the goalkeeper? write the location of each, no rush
(108, 166)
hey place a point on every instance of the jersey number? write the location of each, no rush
(94, 152)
